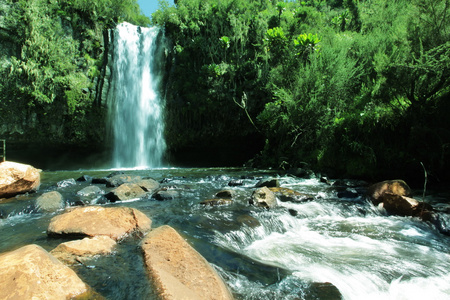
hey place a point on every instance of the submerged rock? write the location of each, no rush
(225, 194)
(16, 178)
(82, 250)
(248, 220)
(263, 197)
(66, 183)
(115, 222)
(216, 202)
(177, 270)
(50, 202)
(31, 272)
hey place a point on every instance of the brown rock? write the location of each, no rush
(406, 206)
(50, 202)
(177, 270)
(115, 222)
(394, 187)
(216, 202)
(285, 194)
(125, 191)
(248, 220)
(263, 197)
(18, 178)
(225, 194)
(32, 273)
(81, 250)
(148, 185)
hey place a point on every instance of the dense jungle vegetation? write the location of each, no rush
(357, 86)
(52, 54)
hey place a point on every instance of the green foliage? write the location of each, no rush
(57, 54)
(338, 84)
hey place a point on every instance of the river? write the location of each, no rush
(326, 248)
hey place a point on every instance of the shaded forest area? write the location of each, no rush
(357, 87)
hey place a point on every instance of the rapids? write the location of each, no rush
(326, 248)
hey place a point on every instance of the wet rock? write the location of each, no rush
(50, 202)
(89, 195)
(324, 179)
(405, 206)
(90, 191)
(226, 194)
(350, 194)
(148, 185)
(31, 272)
(293, 212)
(66, 183)
(216, 202)
(82, 250)
(115, 173)
(237, 182)
(118, 180)
(163, 195)
(84, 178)
(248, 220)
(300, 172)
(115, 222)
(263, 197)
(285, 194)
(178, 271)
(99, 180)
(17, 179)
(126, 191)
(322, 290)
(394, 187)
(271, 182)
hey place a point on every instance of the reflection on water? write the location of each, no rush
(329, 247)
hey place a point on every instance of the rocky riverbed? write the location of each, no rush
(260, 233)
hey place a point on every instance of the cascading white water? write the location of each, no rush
(135, 105)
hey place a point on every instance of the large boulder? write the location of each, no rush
(177, 271)
(115, 222)
(82, 250)
(406, 206)
(148, 185)
(393, 187)
(50, 202)
(31, 272)
(263, 197)
(126, 191)
(16, 178)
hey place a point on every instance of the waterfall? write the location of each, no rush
(135, 104)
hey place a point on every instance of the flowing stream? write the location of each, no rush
(326, 248)
(135, 105)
